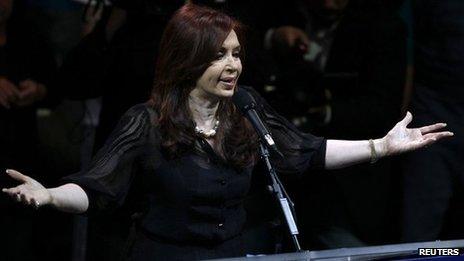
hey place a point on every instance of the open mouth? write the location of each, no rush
(228, 81)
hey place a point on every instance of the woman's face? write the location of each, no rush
(220, 78)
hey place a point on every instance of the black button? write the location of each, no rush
(223, 182)
(221, 225)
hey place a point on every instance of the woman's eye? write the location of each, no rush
(219, 55)
(236, 54)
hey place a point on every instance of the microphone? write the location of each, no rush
(247, 106)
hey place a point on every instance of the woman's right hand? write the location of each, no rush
(29, 192)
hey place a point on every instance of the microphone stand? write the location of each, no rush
(279, 191)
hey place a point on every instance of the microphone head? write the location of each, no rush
(243, 100)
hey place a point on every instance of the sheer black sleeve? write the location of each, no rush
(109, 176)
(302, 151)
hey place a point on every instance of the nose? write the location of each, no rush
(233, 63)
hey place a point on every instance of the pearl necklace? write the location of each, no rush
(210, 133)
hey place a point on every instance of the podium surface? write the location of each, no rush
(407, 251)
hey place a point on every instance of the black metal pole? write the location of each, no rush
(282, 197)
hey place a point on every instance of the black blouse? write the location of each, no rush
(194, 198)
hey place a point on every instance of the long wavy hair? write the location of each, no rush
(189, 45)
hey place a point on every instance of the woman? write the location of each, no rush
(191, 153)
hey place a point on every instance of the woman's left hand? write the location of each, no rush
(400, 139)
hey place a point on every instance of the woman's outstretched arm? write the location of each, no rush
(68, 197)
(400, 139)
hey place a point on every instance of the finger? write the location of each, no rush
(28, 199)
(433, 127)
(406, 120)
(18, 197)
(9, 191)
(24, 199)
(438, 135)
(35, 203)
(17, 175)
(431, 138)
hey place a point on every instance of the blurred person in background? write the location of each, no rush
(26, 70)
(341, 73)
(115, 61)
(433, 181)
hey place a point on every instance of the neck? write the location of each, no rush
(203, 109)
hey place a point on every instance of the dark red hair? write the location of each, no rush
(189, 45)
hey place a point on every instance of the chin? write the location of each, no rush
(228, 93)
(225, 93)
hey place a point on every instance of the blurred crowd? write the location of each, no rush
(344, 69)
